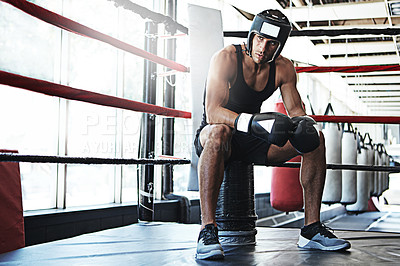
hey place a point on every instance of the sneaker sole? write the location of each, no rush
(305, 243)
(212, 255)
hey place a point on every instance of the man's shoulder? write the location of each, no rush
(285, 71)
(283, 63)
(227, 53)
(281, 60)
(228, 50)
(224, 63)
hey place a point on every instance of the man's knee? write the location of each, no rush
(319, 152)
(219, 136)
(220, 131)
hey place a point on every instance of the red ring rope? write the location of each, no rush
(357, 119)
(348, 69)
(63, 91)
(66, 92)
(75, 27)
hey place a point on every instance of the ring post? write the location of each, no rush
(147, 131)
(235, 214)
(169, 101)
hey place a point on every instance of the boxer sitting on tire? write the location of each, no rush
(240, 78)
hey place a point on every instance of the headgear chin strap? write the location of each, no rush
(271, 24)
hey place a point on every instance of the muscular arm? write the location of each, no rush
(221, 73)
(287, 78)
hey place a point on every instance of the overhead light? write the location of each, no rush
(394, 8)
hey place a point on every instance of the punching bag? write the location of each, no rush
(349, 156)
(12, 233)
(333, 183)
(361, 204)
(390, 163)
(286, 191)
(376, 173)
(385, 162)
(386, 176)
(383, 173)
(380, 173)
(371, 160)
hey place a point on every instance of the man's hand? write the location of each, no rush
(305, 135)
(272, 127)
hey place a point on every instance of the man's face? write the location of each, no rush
(263, 49)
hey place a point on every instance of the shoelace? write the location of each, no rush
(209, 236)
(326, 231)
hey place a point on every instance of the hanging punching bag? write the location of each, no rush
(371, 155)
(382, 175)
(386, 187)
(376, 173)
(362, 179)
(286, 191)
(391, 163)
(349, 156)
(333, 183)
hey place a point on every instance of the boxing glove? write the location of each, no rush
(271, 127)
(305, 134)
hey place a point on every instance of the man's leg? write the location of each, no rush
(215, 140)
(312, 175)
(314, 235)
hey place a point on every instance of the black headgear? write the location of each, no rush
(271, 24)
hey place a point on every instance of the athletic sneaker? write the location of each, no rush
(318, 236)
(208, 246)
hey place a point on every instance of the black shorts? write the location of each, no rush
(246, 148)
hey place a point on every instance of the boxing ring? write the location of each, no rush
(174, 244)
(161, 243)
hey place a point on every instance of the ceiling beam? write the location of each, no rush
(384, 105)
(371, 74)
(363, 60)
(392, 111)
(381, 100)
(355, 48)
(350, 27)
(345, 11)
(378, 94)
(373, 80)
(350, 36)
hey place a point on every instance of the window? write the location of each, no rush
(38, 124)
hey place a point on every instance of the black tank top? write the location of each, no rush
(242, 98)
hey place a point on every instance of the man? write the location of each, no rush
(240, 78)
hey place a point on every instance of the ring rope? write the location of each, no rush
(63, 91)
(77, 28)
(66, 92)
(330, 33)
(12, 157)
(170, 24)
(391, 169)
(357, 119)
(348, 69)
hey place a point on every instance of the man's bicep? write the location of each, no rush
(218, 82)
(217, 93)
